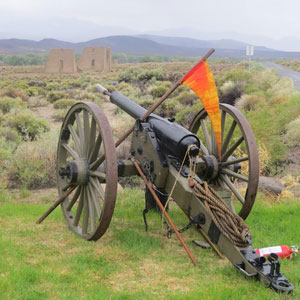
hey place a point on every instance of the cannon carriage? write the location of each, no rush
(216, 192)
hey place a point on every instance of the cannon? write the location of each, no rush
(216, 193)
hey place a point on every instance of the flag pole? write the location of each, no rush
(162, 99)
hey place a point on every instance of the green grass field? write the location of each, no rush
(47, 261)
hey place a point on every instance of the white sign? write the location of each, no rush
(249, 50)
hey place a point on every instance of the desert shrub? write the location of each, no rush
(130, 74)
(15, 93)
(37, 101)
(109, 87)
(54, 96)
(147, 75)
(26, 124)
(10, 135)
(8, 103)
(292, 136)
(187, 98)
(51, 86)
(134, 74)
(227, 87)
(34, 163)
(248, 102)
(230, 91)
(7, 149)
(158, 91)
(64, 103)
(59, 114)
(35, 91)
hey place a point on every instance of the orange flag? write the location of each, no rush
(200, 79)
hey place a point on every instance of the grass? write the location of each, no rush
(49, 262)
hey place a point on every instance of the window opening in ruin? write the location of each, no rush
(93, 63)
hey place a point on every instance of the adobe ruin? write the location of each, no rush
(98, 58)
(61, 61)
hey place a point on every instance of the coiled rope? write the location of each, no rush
(230, 224)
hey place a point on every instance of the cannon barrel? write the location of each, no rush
(173, 138)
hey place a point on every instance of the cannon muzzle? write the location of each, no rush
(173, 138)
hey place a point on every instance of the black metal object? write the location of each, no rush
(173, 139)
(269, 269)
(150, 203)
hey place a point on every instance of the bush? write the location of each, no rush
(14, 93)
(64, 103)
(187, 98)
(26, 124)
(292, 135)
(10, 135)
(158, 92)
(7, 104)
(248, 102)
(147, 75)
(134, 74)
(60, 114)
(54, 96)
(130, 74)
(35, 163)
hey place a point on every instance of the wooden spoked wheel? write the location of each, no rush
(238, 169)
(86, 158)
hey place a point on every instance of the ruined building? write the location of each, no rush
(61, 61)
(98, 58)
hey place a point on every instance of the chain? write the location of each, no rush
(170, 231)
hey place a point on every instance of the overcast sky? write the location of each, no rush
(79, 20)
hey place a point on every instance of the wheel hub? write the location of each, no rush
(77, 171)
(211, 167)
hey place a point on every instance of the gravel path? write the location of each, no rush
(285, 72)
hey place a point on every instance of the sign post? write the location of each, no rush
(249, 53)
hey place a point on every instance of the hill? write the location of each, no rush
(146, 45)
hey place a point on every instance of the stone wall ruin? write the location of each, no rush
(61, 61)
(98, 58)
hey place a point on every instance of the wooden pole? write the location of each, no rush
(59, 201)
(165, 212)
(159, 102)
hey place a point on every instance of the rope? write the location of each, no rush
(187, 153)
(230, 224)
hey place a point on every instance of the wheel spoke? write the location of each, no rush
(95, 151)
(98, 188)
(95, 200)
(97, 162)
(70, 151)
(92, 136)
(75, 139)
(214, 148)
(234, 161)
(204, 149)
(223, 119)
(100, 175)
(234, 174)
(86, 123)
(79, 207)
(232, 188)
(232, 148)
(85, 221)
(74, 199)
(228, 137)
(206, 135)
(91, 211)
(81, 133)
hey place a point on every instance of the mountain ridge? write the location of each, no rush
(144, 45)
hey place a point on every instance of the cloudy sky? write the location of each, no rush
(259, 21)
